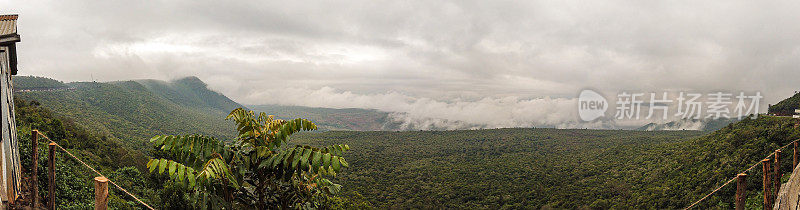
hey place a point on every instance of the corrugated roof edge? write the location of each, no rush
(9, 17)
(13, 36)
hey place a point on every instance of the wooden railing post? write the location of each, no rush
(34, 168)
(741, 191)
(767, 185)
(794, 156)
(100, 193)
(778, 175)
(51, 182)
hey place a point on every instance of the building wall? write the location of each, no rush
(9, 148)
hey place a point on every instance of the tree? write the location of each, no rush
(258, 169)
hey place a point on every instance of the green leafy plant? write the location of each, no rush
(258, 169)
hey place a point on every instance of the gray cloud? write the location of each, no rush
(456, 54)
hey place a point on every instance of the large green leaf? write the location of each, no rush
(335, 164)
(191, 178)
(208, 148)
(289, 154)
(172, 166)
(326, 160)
(151, 164)
(181, 171)
(296, 158)
(162, 165)
(304, 160)
(316, 160)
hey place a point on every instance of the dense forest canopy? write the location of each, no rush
(517, 168)
(502, 168)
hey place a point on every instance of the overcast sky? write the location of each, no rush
(502, 63)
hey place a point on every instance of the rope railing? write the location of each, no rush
(734, 178)
(95, 171)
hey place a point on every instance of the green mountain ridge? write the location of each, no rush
(134, 111)
(191, 92)
(36, 83)
(786, 107)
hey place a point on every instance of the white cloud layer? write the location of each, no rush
(504, 63)
(427, 113)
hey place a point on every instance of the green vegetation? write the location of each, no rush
(131, 112)
(787, 106)
(500, 168)
(74, 184)
(36, 83)
(536, 168)
(123, 165)
(254, 171)
(700, 165)
(334, 119)
(190, 92)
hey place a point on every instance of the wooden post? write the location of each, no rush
(51, 198)
(741, 191)
(100, 193)
(778, 175)
(767, 185)
(794, 156)
(34, 168)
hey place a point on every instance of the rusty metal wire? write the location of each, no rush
(98, 173)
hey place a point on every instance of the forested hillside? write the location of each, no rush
(36, 83)
(521, 168)
(134, 111)
(191, 92)
(787, 106)
(74, 186)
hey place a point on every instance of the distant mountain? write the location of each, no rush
(134, 111)
(190, 92)
(786, 107)
(334, 119)
(689, 124)
(36, 83)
